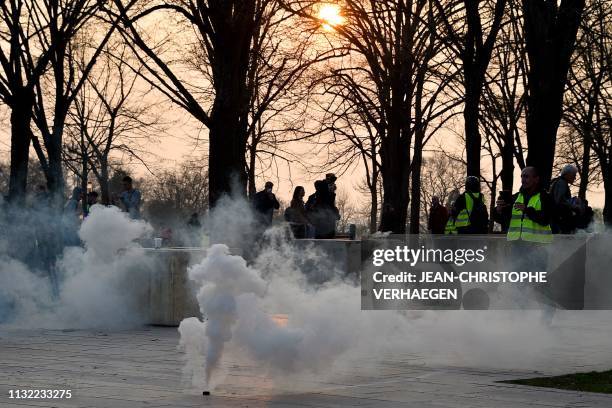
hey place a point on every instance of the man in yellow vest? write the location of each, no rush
(469, 214)
(530, 215)
(529, 222)
(529, 229)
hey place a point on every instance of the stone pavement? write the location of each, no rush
(142, 368)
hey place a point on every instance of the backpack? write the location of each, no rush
(479, 217)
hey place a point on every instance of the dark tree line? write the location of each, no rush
(37, 82)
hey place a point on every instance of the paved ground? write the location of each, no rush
(142, 368)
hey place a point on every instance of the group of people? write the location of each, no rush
(315, 218)
(128, 200)
(534, 213)
(79, 205)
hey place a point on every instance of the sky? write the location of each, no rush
(184, 139)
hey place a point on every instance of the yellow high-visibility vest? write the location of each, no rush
(463, 218)
(523, 228)
(449, 228)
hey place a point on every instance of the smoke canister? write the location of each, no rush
(157, 243)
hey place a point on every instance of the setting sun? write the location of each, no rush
(330, 16)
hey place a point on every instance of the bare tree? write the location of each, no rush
(23, 62)
(574, 148)
(550, 34)
(395, 52)
(348, 211)
(441, 177)
(280, 74)
(110, 117)
(588, 101)
(464, 30)
(355, 141)
(177, 192)
(36, 177)
(61, 23)
(233, 43)
(503, 103)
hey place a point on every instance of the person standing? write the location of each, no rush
(529, 230)
(469, 213)
(531, 213)
(321, 208)
(438, 217)
(505, 197)
(566, 208)
(70, 219)
(130, 199)
(92, 199)
(295, 214)
(265, 203)
(72, 205)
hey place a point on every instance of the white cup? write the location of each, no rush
(157, 243)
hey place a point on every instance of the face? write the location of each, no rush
(435, 201)
(570, 177)
(529, 179)
(301, 193)
(127, 185)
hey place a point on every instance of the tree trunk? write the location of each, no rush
(373, 212)
(21, 117)
(470, 116)
(585, 166)
(84, 178)
(227, 145)
(507, 156)
(492, 203)
(415, 188)
(55, 175)
(395, 170)
(374, 199)
(103, 181)
(607, 182)
(252, 188)
(228, 119)
(550, 34)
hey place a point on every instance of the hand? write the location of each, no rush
(520, 206)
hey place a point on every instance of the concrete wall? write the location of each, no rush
(585, 261)
(171, 295)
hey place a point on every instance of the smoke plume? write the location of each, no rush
(99, 285)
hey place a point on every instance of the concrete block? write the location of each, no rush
(172, 295)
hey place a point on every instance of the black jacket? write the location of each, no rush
(265, 203)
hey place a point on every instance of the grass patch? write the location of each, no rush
(589, 382)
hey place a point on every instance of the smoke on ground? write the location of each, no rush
(99, 285)
(269, 312)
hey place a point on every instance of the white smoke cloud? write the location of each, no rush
(223, 278)
(99, 285)
(22, 292)
(322, 327)
(240, 307)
